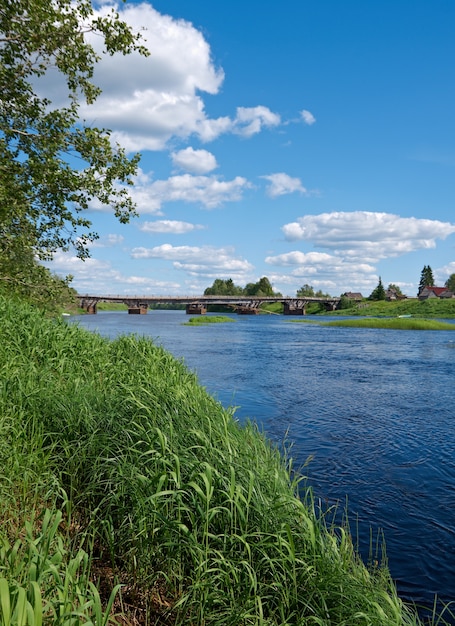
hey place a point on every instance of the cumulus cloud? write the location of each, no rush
(250, 121)
(307, 117)
(300, 258)
(281, 184)
(146, 101)
(194, 161)
(206, 260)
(367, 235)
(319, 264)
(94, 276)
(209, 192)
(169, 226)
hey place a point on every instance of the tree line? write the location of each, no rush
(263, 287)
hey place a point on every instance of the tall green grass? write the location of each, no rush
(386, 323)
(209, 319)
(119, 468)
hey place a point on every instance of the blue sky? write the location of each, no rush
(309, 142)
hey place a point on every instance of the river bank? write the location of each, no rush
(128, 471)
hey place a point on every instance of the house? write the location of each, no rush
(435, 292)
(392, 294)
(353, 295)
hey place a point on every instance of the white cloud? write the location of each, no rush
(206, 260)
(169, 226)
(307, 117)
(93, 276)
(300, 258)
(147, 101)
(281, 183)
(321, 265)
(367, 235)
(442, 273)
(250, 121)
(194, 161)
(209, 192)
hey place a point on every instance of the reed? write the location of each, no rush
(393, 323)
(209, 319)
(120, 469)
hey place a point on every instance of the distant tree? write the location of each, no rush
(393, 287)
(222, 287)
(346, 303)
(378, 293)
(305, 290)
(309, 292)
(262, 288)
(450, 283)
(426, 278)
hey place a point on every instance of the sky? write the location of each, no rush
(309, 141)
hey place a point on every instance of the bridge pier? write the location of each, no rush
(195, 308)
(88, 305)
(293, 309)
(138, 310)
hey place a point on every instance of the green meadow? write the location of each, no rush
(129, 495)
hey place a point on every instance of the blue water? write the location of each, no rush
(374, 410)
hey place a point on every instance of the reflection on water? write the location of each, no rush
(373, 408)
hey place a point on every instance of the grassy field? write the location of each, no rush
(129, 495)
(432, 308)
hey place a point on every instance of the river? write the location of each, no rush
(373, 410)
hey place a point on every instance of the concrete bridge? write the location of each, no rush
(197, 305)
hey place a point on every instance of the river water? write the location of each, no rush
(374, 410)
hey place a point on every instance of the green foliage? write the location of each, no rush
(308, 290)
(200, 320)
(222, 287)
(262, 288)
(41, 583)
(378, 292)
(426, 278)
(305, 290)
(346, 303)
(227, 287)
(22, 275)
(450, 283)
(202, 519)
(395, 288)
(43, 194)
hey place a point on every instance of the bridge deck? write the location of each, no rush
(202, 299)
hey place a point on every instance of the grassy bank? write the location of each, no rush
(434, 307)
(118, 468)
(393, 323)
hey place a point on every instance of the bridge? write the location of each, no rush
(197, 305)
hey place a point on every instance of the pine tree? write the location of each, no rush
(378, 293)
(426, 278)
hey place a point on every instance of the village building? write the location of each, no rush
(353, 295)
(393, 294)
(435, 292)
